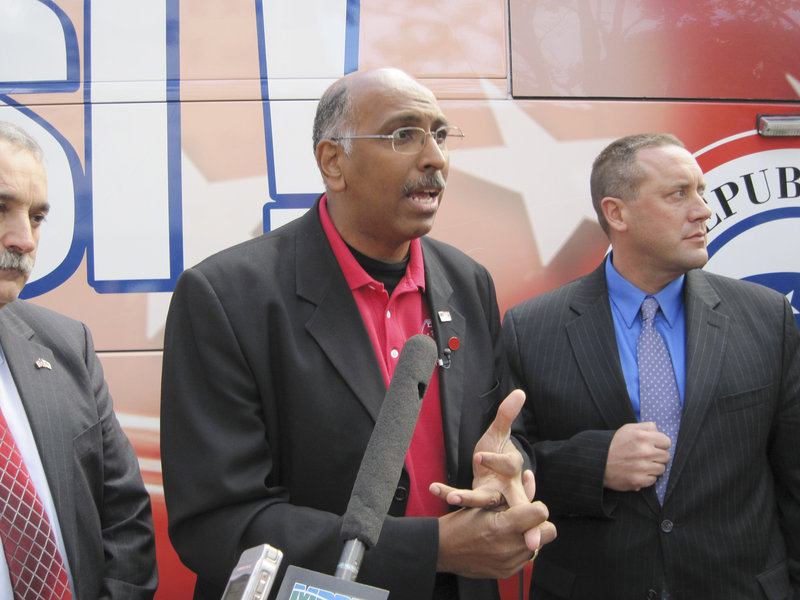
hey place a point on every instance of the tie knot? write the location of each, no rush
(649, 308)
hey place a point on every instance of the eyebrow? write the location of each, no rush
(691, 183)
(6, 196)
(41, 207)
(412, 119)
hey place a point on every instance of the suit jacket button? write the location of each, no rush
(401, 494)
(666, 526)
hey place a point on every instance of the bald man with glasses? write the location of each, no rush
(278, 353)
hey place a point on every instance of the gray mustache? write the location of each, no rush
(430, 180)
(18, 262)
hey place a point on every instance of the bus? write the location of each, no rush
(173, 129)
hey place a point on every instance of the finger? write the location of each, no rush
(508, 411)
(645, 425)
(662, 441)
(533, 539)
(541, 534)
(448, 493)
(548, 532)
(441, 490)
(481, 498)
(506, 464)
(529, 484)
(507, 476)
(515, 494)
(658, 468)
(525, 520)
(524, 517)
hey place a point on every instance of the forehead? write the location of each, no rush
(22, 175)
(394, 101)
(668, 161)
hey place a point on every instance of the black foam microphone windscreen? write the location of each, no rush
(386, 451)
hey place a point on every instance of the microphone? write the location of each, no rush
(386, 451)
(377, 477)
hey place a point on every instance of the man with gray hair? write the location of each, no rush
(75, 518)
(278, 353)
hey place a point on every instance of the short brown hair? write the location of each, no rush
(616, 172)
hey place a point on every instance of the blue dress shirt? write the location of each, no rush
(626, 302)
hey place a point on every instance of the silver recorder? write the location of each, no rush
(255, 573)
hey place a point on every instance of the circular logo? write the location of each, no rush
(753, 189)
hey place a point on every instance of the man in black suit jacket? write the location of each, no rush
(60, 413)
(272, 382)
(729, 526)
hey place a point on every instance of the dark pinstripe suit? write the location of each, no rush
(92, 472)
(730, 524)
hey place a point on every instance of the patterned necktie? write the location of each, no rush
(658, 391)
(34, 563)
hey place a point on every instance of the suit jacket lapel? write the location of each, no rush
(448, 322)
(336, 323)
(706, 335)
(594, 344)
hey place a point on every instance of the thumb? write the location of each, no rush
(508, 410)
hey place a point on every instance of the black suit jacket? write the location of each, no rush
(92, 472)
(730, 524)
(270, 392)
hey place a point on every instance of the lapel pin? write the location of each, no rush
(43, 364)
(444, 316)
(454, 343)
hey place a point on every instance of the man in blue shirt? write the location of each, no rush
(725, 522)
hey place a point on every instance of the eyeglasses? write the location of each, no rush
(411, 140)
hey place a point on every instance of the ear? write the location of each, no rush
(329, 155)
(615, 213)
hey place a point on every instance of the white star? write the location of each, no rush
(789, 297)
(552, 176)
(794, 83)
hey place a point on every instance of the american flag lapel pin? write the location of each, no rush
(444, 316)
(43, 364)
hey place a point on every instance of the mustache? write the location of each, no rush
(16, 261)
(431, 180)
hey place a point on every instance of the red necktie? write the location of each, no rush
(34, 563)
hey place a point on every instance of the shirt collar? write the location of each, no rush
(628, 298)
(355, 275)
